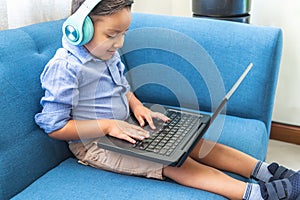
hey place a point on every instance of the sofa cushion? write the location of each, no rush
(247, 135)
(71, 180)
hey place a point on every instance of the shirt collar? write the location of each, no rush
(79, 52)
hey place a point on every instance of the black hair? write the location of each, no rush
(105, 7)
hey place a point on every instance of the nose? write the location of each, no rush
(119, 40)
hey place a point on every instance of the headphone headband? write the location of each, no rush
(74, 27)
(87, 6)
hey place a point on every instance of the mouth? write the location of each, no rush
(111, 52)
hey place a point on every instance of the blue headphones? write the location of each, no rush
(79, 28)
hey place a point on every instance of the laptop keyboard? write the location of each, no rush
(168, 135)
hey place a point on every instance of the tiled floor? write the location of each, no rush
(284, 153)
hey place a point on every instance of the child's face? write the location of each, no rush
(109, 32)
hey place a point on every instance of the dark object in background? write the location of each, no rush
(233, 10)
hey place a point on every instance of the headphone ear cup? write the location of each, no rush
(87, 30)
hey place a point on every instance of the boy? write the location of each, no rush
(87, 96)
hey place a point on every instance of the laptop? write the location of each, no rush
(171, 142)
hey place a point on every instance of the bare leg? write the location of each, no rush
(197, 175)
(225, 158)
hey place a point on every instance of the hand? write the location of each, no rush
(125, 131)
(142, 113)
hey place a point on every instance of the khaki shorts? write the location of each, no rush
(90, 154)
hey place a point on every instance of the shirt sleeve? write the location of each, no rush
(60, 83)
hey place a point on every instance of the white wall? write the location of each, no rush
(285, 15)
(168, 7)
(25, 12)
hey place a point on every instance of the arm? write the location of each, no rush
(81, 129)
(86, 129)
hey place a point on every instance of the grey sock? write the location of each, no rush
(252, 192)
(261, 172)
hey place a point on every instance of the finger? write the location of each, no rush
(137, 131)
(141, 121)
(125, 137)
(150, 122)
(132, 130)
(136, 134)
(161, 116)
(129, 139)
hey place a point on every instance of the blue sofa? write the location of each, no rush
(179, 61)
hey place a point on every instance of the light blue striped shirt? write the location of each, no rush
(80, 86)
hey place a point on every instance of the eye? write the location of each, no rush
(111, 35)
